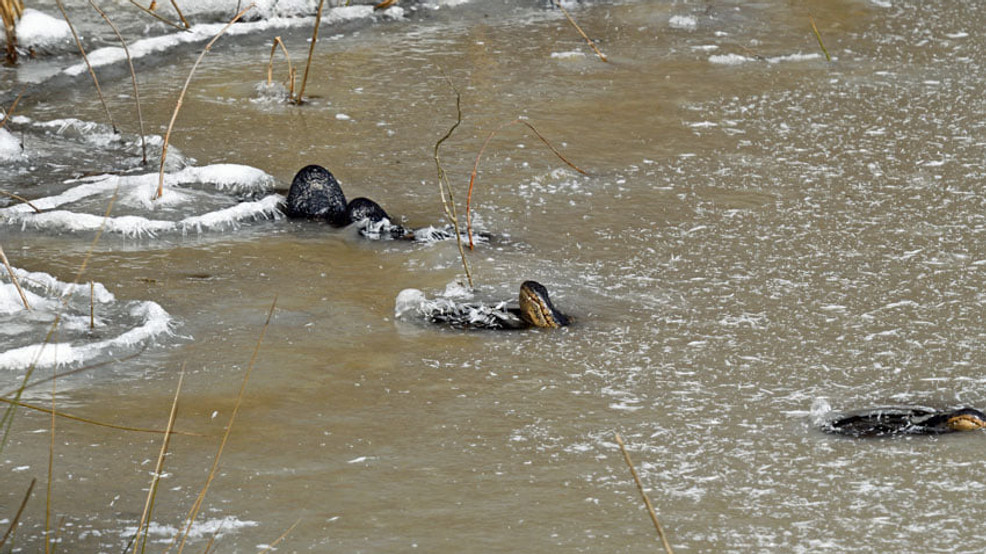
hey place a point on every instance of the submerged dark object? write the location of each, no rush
(316, 194)
(905, 420)
(535, 310)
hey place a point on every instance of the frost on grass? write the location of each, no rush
(112, 328)
(216, 197)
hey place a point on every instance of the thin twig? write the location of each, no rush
(13, 278)
(24, 405)
(475, 168)
(193, 513)
(10, 112)
(640, 487)
(444, 187)
(819, 37)
(581, 32)
(311, 51)
(133, 78)
(158, 16)
(270, 66)
(22, 199)
(181, 16)
(145, 518)
(281, 538)
(92, 305)
(85, 58)
(13, 524)
(181, 97)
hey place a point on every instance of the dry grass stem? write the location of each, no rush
(384, 5)
(85, 58)
(21, 199)
(150, 11)
(445, 188)
(13, 278)
(271, 546)
(133, 78)
(640, 487)
(581, 32)
(64, 415)
(270, 66)
(92, 305)
(184, 89)
(193, 513)
(49, 489)
(145, 518)
(10, 112)
(181, 16)
(818, 36)
(311, 51)
(13, 523)
(475, 168)
(10, 12)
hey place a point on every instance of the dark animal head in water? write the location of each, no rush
(315, 193)
(364, 208)
(966, 419)
(536, 308)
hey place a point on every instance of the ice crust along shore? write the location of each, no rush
(137, 192)
(139, 322)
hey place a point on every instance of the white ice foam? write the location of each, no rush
(10, 147)
(684, 22)
(40, 30)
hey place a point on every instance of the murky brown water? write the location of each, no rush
(751, 238)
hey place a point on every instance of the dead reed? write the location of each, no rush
(184, 89)
(581, 32)
(133, 78)
(475, 168)
(640, 487)
(818, 36)
(150, 11)
(270, 66)
(10, 12)
(13, 523)
(10, 111)
(92, 421)
(13, 278)
(271, 546)
(193, 513)
(145, 518)
(311, 51)
(85, 58)
(445, 188)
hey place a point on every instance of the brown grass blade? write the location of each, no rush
(193, 513)
(184, 89)
(311, 51)
(581, 32)
(13, 278)
(145, 518)
(281, 538)
(85, 58)
(13, 523)
(64, 415)
(475, 168)
(640, 487)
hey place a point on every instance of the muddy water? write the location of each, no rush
(752, 239)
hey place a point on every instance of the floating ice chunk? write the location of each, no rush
(10, 148)
(570, 55)
(48, 297)
(683, 22)
(137, 192)
(729, 59)
(40, 30)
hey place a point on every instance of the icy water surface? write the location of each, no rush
(761, 233)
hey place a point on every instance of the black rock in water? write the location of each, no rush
(316, 194)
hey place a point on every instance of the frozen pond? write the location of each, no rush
(761, 232)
